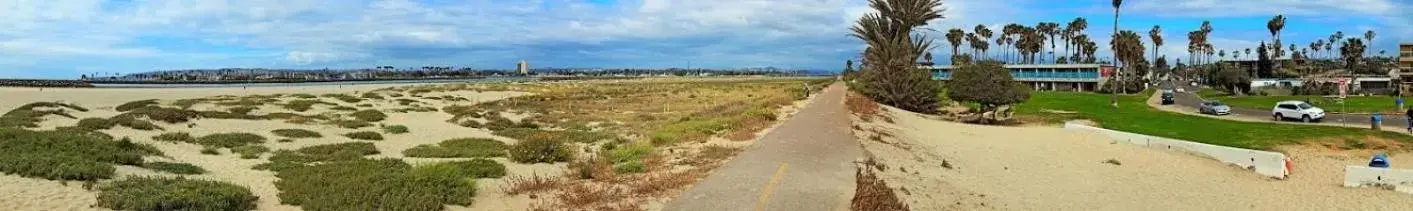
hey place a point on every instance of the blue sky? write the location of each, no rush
(65, 38)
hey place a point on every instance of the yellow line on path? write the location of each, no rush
(770, 186)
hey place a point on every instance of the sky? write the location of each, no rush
(66, 38)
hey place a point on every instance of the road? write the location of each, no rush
(804, 164)
(1191, 100)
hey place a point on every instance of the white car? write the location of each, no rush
(1297, 110)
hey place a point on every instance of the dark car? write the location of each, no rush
(1168, 97)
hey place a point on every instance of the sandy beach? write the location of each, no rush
(425, 128)
(1049, 168)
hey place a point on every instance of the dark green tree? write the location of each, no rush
(989, 84)
(1264, 65)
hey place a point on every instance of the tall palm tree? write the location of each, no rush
(984, 32)
(1335, 38)
(1248, 53)
(1128, 49)
(954, 37)
(1275, 25)
(1117, 3)
(1222, 54)
(1315, 46)
(1156, 34)
(1369, 37)
(1075, 29)
(1049, 29)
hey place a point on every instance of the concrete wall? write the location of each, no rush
(1362, 176)
(1266, 163)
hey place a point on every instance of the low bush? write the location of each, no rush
(351, 124)
(125, 107)
(465, 147)
(541, 151)
(66, 154)
(634, 166)
(395, 129)
(477, 168)
(26, 116)
(344, 97)
(688, 129)
(365, 135)
(134, 123)
(230, 115)
(154, 193)
(558, 135)
(303, 96)
(286, 159)
(369, 115)
(343, 108)
(175, 168)
(296, 133)
(96, 123)
(250, 151)
(163, 114)
(208, 150)
(175, 137)
(303, 105)
(370, 95)
(242, 109)
(285, 140)
(230, 140)
(383, 184)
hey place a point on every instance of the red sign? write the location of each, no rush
(1106, 71)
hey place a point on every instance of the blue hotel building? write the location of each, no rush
(1046, 77)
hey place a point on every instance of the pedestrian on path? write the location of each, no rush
(1409, 119)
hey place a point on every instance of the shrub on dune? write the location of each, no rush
(349, 185)
(369, 115)
(175, 168)
(230, 140)
(466, 147)
(541, 151)
(125, 107)
(66, 155)
(365, 135)
(395, 129)
(296, 133)
(153, 193)
(175, 137)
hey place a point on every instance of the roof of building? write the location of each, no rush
(1011, 66)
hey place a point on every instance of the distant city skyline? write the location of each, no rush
(66, 38)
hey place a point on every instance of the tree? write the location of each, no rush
(1263, 62)
(1352, 51)
(954, 37)
(1049, 29)
(1369, 36)
(891, 76)
(1128, 49)
(989, 84)
(1275, 25)
(848, 68)
(985, 34)
(1156, 34)
(1075, 29)
(1115, 95)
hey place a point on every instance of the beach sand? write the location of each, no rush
(425, 128)
(1049, 168)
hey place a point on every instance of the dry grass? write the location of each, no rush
(865, 108)
(516, 185)
(872, 193)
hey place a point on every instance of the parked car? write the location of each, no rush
(1168, 97)
(1214, 108)
(1297, 110)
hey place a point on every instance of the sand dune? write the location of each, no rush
(1047, 168)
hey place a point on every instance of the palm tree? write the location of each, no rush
(893, 50)
(1128, 48)
(954, 37)
(1315, 46)
(1049, 29)
(1336, 37)
(1156, 34)
(1352, 51)
(1248, 53)
(984, 34)
(1275, 25)
(1221, 54)
(1075, 29)
(1369, 36)
(1117, 3)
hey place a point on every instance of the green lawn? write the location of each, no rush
(1134, 115)
(1352, 104)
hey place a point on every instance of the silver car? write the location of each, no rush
(1214, 108)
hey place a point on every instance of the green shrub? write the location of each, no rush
(285, 140)
(351, 124)
(370, 95)
(465, 147)
(154, 193)
(478, 168)
(247, 102)
(296, 133)
(631, 152)
(358, 148)
(343, 108)
(96, 123)
(395, 129)
(303, 96)
(303, 105)
(33, 105)
(66, 154)
(163, 114)
(242, 109)
(208, 150)
(365, 135)
(384, 184)
(250, 151)
(175, 168)
(369, 115)
(230, 115)
(286, 159)
(230, 140)
(557, 135)
(630, 167)
(344, 97)
(26, 116)
(125, 107)
(134, 123)
(541, 151)
(175, 137)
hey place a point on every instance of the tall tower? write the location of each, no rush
(523, 67)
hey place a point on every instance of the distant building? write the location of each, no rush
(1047, 77)
(1405, 68)
(523, 67)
